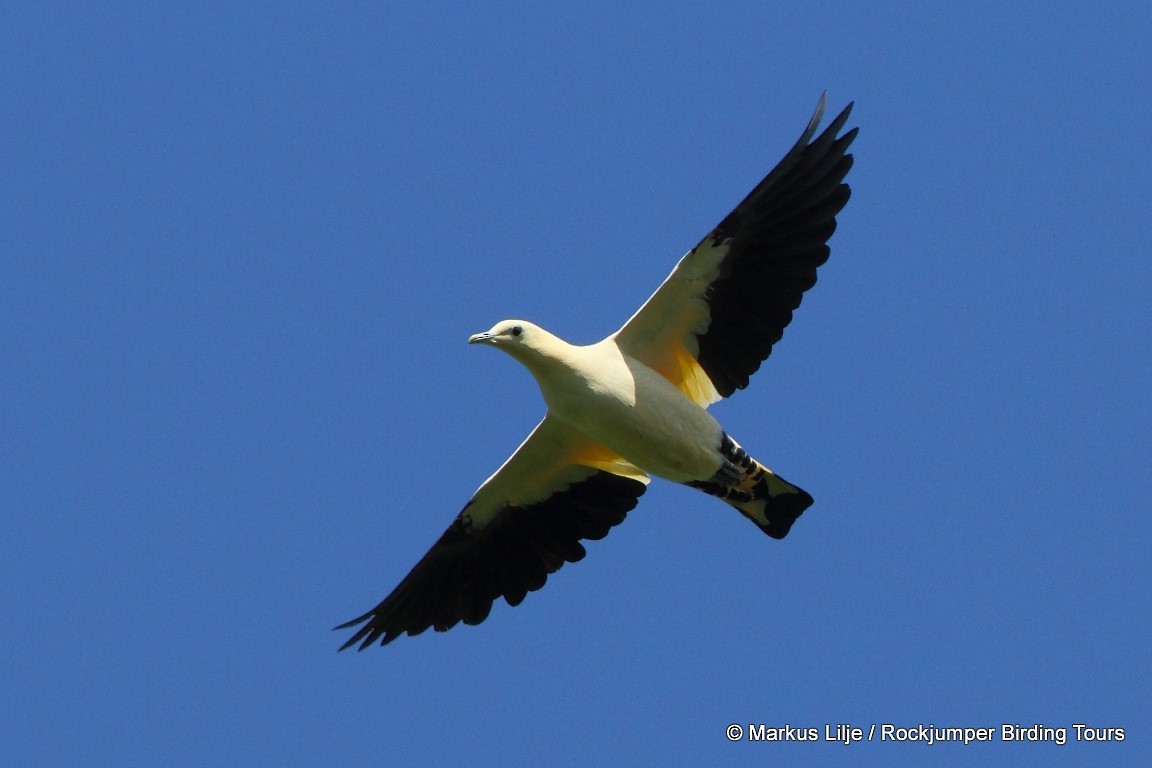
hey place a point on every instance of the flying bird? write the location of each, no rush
(635, 404)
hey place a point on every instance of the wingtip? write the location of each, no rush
(842, 118)
(358, 636)
(821, 105)
(817, 115)
(354, 622)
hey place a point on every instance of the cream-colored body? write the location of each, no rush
(608, 410)
(616, 401)
(624, 405)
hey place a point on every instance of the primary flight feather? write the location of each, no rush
(635, 404)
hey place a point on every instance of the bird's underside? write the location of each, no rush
(634, 404)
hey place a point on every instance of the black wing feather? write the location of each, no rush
(468, 569)
(777, 239)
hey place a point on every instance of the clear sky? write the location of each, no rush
(242, 247)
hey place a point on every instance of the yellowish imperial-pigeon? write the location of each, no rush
(635, 404)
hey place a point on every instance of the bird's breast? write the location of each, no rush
(631, 409)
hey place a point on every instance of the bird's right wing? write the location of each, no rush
(522, 524)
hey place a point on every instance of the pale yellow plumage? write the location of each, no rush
(636, 404)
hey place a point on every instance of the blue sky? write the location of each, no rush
(242, 247)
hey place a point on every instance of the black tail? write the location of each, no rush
(765, 498)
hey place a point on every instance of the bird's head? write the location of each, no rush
(519, 338)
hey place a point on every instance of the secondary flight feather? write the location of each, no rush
(634, 405)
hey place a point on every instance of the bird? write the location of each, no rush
(635, 405)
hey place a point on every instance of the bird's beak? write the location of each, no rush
(480, 338)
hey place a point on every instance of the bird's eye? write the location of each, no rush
(517, 330)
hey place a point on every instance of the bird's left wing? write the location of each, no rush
(522, 524)
(714, 320)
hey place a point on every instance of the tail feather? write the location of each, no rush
(775, 503)
(762, 496)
